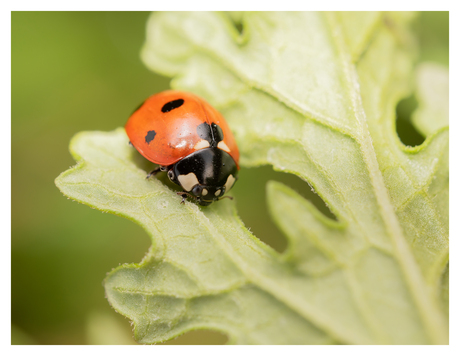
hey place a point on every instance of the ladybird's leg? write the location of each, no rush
(225, 196)
(155, 171)
(184, 196)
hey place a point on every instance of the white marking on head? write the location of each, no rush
(188, 181)
(204, 191)
(201, 144)
(229, 183)
(217, 193)
(223, 146)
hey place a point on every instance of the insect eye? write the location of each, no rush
(197, 190)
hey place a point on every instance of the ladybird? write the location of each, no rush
(188, 139)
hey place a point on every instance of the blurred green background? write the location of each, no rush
(78, 71)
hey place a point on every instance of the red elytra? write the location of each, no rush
(164, 128)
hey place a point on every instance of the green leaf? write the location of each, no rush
(312, 94)
(432, 92)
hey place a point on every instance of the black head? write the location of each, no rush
(206, 174)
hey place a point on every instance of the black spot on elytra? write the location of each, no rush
(150, 136)
(172, 105)
(213, 134)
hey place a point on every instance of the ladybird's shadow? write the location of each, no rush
(147, 166)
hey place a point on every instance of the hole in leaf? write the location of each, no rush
(239, 27)
(199, 337)
(250, 194)
(236, 18)
(406, 131)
